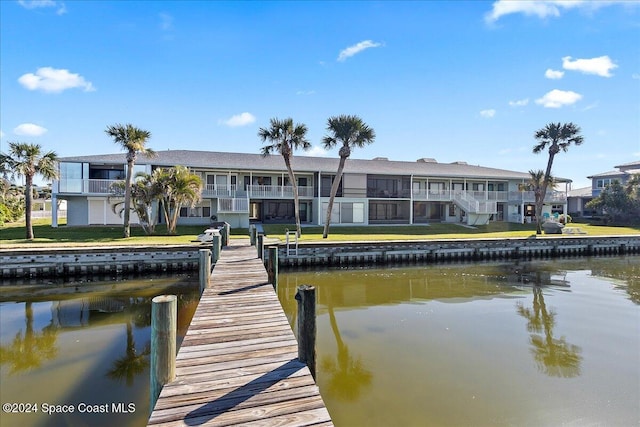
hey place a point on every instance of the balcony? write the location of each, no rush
(84, 186)
(278, 191)
(215, 190)
(233, 205)
(557, 197)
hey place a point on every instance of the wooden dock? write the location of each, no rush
(238, 362)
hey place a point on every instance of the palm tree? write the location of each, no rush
(284, 137)
(143, 194)
(177, 188)
(554, 137)
(133, 140)
(536, 183)
(350, 131)
(28, 160)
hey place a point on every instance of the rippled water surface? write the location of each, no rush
(530, 344)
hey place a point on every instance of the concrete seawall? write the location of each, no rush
(67, 262)
(359, 253)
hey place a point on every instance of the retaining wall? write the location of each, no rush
(81, 261)
(355, 253)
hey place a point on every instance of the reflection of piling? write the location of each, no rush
(306, 297)
(272, 266)
(164, 314)
(205, 268)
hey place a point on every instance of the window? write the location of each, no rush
(601, 183)
(325, 187)
(352, 213)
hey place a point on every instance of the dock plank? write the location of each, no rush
(238, 362)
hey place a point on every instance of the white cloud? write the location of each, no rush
(36, 4)
(600, 66)
(635, 76)
(356, 48)
(1, 134)
(29, 129)
(547, 8)
(558, 98)
(316, 151)
(306, 92)
(166, 21)
(241, 119)
(53, 80)
(488, 114)
(519, 102)
(553, 74)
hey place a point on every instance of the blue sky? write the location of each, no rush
(455, 80)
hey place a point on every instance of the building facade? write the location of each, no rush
(242, 188)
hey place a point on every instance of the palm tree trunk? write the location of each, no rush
(543, 192)
(28, 205)
(332, 196)
(296, 199)
(127, 199)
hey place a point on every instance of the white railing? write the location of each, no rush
(466, 201)
(93, 186)
(233, 205)
(215, 190)
(278, 191)
(530, 197)
(47, 214)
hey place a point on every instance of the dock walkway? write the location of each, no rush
(238, 362)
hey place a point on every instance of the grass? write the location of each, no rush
(433, 231)
(13, 235)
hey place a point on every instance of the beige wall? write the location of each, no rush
(354, 185)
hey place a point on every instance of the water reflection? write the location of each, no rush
(29, 351)
(87, 341)
(554, 356)
(534, 343)
(347, 374)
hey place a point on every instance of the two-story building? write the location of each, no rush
(578, 198)
(242, 188)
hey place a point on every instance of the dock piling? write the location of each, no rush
(204, 268)
(306, 297)
(164, 314)
(272, 266)
(260, 246)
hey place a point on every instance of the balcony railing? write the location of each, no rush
(233, 205)
(85, 186)
(466, 201)
(215, 190)
(277, 191)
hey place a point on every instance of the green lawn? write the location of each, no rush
(433, 231)
(12, 235)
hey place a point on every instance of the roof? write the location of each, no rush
(580, 192)
(630, 165)
(610, 174)
(246, 161)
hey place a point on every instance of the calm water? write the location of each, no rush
(544, 343)
(84, 345)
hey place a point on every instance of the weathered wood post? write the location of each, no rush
(252, 234)
(205, 268)
(227, 234)
(164, 314)
(260, 246)
(272, 266)
(306, 297)
(216, 246)
(223, 236)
